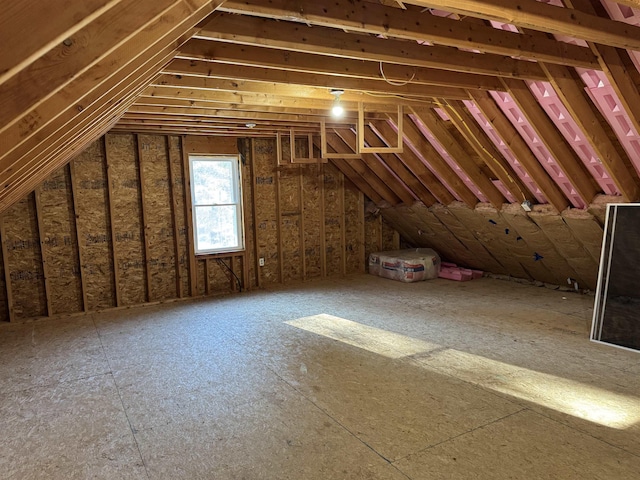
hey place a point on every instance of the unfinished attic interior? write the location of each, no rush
(188, 229)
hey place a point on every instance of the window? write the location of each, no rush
(217, 203)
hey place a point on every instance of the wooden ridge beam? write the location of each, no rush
(567, 160)
(516, 143)
(255, 79)
(412, 24)
(298, 37)
(545, 18)
(196, 56)
(436, 126)
(450, 178)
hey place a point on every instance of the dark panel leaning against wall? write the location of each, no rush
(113, 228)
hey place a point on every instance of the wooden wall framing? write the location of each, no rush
(113, 228)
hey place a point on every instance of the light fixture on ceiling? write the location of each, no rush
(337, 110)
(250, 125)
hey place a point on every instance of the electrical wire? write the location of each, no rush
(220, 261)
(395, 84)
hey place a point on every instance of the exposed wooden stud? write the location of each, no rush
(7, 269)
(362, 261)
(188, 216)
(81, 256)
(256, 252)
(323, 235)
(207, 280)
(301, 230)
(174, 222)
(343, 227)
(112, 235)
(279, 220)
(45, 263)
(145, 219)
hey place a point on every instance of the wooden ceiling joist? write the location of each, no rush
(227, 53)
(413, 24)
(546, 18)
(298, 37)
(255, 78)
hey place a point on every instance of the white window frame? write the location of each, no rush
(237, 189)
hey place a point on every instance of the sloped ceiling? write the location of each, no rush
(504, 101)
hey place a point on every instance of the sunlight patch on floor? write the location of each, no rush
(567, 396)
(376, 340)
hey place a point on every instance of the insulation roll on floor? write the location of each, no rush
(411, 265)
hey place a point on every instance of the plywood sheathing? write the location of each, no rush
(332, 220)
(483, 258)
(127, 214)
(90, 177)
(4, 301)
(354, 227)
(311, 186)
(154, 161)
(568, 245)
(24, 261)
(59, 243)
(265, 200)
(290, 223)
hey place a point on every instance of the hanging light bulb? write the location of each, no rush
(337, 110)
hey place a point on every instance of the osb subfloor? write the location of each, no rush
(354, 378)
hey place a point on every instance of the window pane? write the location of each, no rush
(216, 228)
(213, 182)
